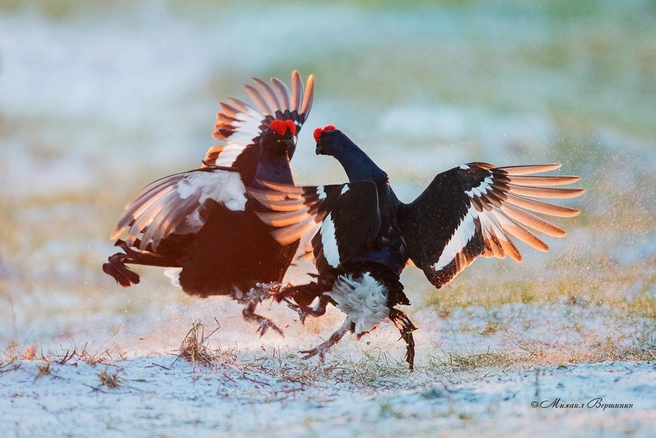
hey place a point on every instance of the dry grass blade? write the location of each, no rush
(16, 351)
(30, 353)
(101, 356)
(109, 380)
(43, 369)
(194, 347)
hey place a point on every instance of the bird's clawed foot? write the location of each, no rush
(264, 323)
(406, 327)
(303, 312)
(334, 338)
(317, 310)
(116, 267)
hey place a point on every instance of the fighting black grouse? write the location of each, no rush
(200, 222)
(367, 235)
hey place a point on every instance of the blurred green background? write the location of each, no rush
(99, 98)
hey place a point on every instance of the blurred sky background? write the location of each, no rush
(99, 98)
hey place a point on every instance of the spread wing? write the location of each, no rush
(474, 209)
(241, 125)
(176, 204)
(348, 216)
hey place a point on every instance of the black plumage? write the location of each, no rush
(367, 236)
(201, 223)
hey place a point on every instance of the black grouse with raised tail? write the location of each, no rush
(200, 222)
(367, 235)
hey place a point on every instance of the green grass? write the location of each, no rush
(468, 362)
(629, 289)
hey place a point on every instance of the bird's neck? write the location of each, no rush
(273, 169)
(358, 166)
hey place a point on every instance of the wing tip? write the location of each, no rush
(116, 233)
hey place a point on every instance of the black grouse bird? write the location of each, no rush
(201, 223)
(367, 235)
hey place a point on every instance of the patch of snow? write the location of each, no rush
(157, 395)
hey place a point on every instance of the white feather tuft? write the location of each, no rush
(364, 300)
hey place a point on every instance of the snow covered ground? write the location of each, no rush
(282, 396)
(97, 101)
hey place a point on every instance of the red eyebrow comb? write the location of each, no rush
(279, 126)
(319, 131)
(291, 126)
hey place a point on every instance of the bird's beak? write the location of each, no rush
(290, 146)
(319, 149)
(290, 143)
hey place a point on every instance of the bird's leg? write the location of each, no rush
(406, 327)
(283, 292)
(125, 276)
(269, 290)
(334, 338)
(264, 323)
(137, 256)
(252, 299)
(303, 294)
(303, 311)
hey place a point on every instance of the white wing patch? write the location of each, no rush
(482, 188)
(224, 187)
(466, 229)
(295, 211)
(364, 300)
(463, 234)
(321, 193)
(173, 205)
(497, 219)
(246, 129)
(329, 241)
